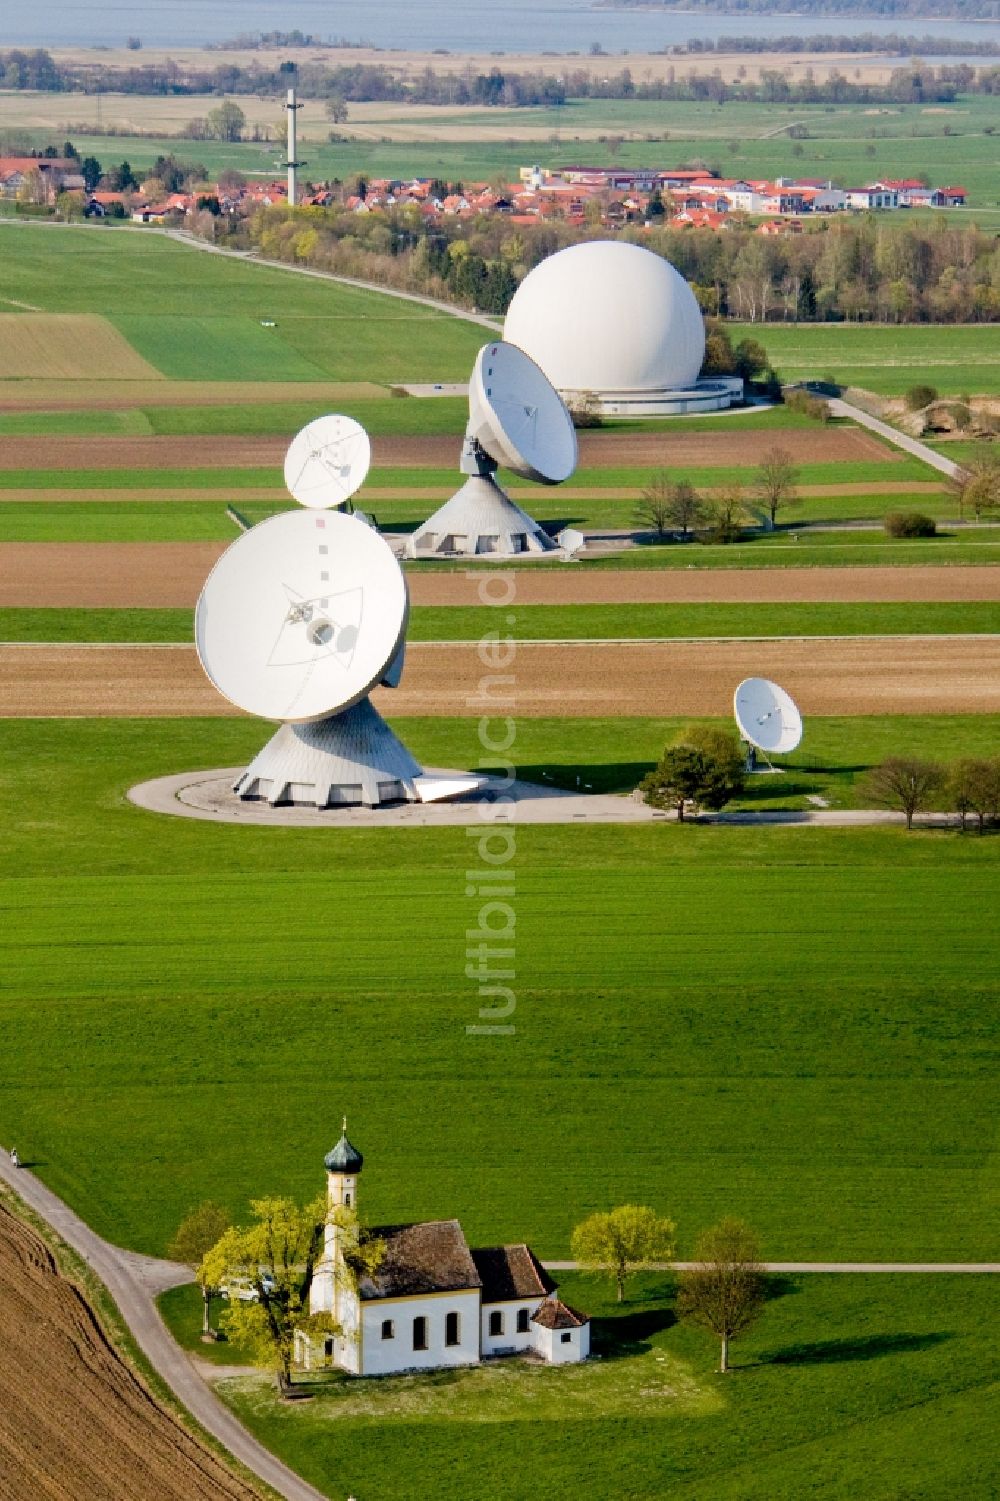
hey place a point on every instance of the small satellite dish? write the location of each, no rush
(327, 462)
(518, 417)
(767, 717)
(570, 540)
(302, 616)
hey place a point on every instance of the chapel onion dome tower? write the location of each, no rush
(343, 1158)
(610, 320)
(343, 1164)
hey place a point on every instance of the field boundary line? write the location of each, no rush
(449, 641)
(133, 1281)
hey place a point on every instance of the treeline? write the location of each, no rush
(890, 44)
(361, 82)
(960, 10)
(859, 270)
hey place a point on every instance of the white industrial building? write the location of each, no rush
(433, 1302)
(612, 321)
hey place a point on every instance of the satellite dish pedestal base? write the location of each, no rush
(479, 519)
(350, 759)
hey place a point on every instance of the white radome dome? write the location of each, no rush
(608, 316)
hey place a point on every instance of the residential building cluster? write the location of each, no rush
(596, 196)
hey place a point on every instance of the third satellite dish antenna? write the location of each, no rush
(767, 718)
(327, 461)
(516, 419)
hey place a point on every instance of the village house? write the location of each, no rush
(433, 1302)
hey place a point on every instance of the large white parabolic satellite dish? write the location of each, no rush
(327, 461)
(517, 416)
(302, 616)
(767, 716)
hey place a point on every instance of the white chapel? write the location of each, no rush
(433, 1301)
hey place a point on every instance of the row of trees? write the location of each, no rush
(911, 785)
(36, 69)
(675, 509)
(852, 269)
(722, 1289)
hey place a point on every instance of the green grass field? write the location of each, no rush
(166, 299)
(847, 1387)
(554, 622)
(186, 1009)
(956, 359)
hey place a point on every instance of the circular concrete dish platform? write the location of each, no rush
(209, 795)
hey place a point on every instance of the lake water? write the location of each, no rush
(457, 25)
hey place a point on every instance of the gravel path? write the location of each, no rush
(892, 435)
(132, 1281)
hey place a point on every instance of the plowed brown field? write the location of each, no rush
(164, 574)
(75, 1423)
(858, 675)
(597, 450)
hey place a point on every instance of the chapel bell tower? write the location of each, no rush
(343, 1167)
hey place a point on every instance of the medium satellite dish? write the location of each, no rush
(767, 717)
(327, 462)
(517, 416)
(302, 616)
(517, 419)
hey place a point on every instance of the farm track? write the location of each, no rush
(171, 574)
(76, 1423)
(597, 450)
(827, 676)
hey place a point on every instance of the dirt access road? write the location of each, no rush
(729, 446)
(171, 574)
(76, 1424)
(842, 676)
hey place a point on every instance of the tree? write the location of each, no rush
(977, 483)
(196, 1235)
(90, 167)
(704, 767)
(918, 397)
(122, 179)
(653, 510)
(685, 508)
(623, 1240)
(904, 782)
(775, 482)
(723, 1291)
(276, 1255)
(724, 516)
(974, 787)
(227, 121)
(336, 111)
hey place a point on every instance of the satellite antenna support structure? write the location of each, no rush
(292, 163)
(518, 421)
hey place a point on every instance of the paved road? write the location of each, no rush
(133, 1281)
(841, 408)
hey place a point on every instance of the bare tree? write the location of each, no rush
(976, 485)
(653, 510)
(905, 783)
(974, 787)
(723, 1291)
(724, 516)
(775, 482)
(686, 509)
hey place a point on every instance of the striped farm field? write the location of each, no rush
(80, 346)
